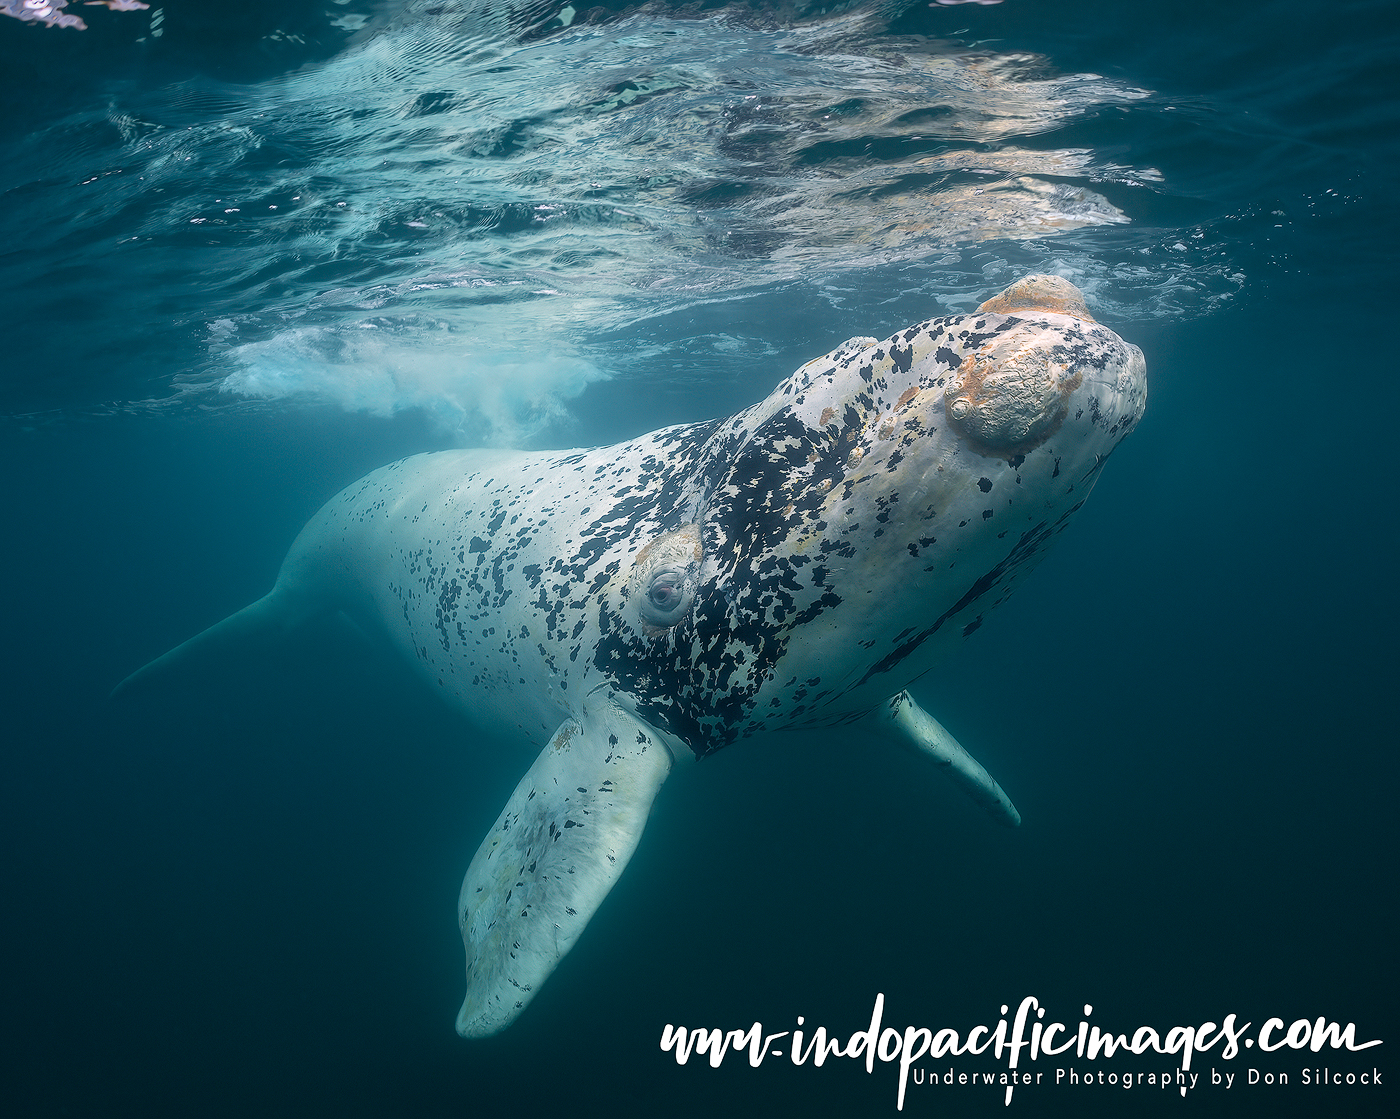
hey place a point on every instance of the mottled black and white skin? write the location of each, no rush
(797, 565)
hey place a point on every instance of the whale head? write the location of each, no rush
(844, 534)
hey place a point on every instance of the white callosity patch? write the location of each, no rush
(1009, 394)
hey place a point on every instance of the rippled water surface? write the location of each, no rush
(249, 252)
(413, 200)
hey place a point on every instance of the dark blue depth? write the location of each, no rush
(239, 899)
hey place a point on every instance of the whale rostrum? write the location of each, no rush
(796, 566)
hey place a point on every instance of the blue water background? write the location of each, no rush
(240, 899)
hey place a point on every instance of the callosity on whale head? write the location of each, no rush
(860, 521)
(796, 565)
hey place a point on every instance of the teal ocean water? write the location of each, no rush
(251, 252)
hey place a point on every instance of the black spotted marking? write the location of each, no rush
(795, 499)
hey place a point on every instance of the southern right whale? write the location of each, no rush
(795, 566)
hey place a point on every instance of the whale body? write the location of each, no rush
(630, 607)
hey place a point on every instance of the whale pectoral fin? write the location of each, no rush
(554, 853)
(903, 719)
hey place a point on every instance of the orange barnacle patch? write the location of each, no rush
(1040, 293)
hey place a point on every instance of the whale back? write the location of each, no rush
(790, 566)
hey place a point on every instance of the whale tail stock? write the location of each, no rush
(317, 580)
(314, 582)
(262, 625)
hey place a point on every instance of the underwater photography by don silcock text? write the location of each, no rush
(513, 517)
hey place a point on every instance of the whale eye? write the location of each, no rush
(664, 581)
(668, 597)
